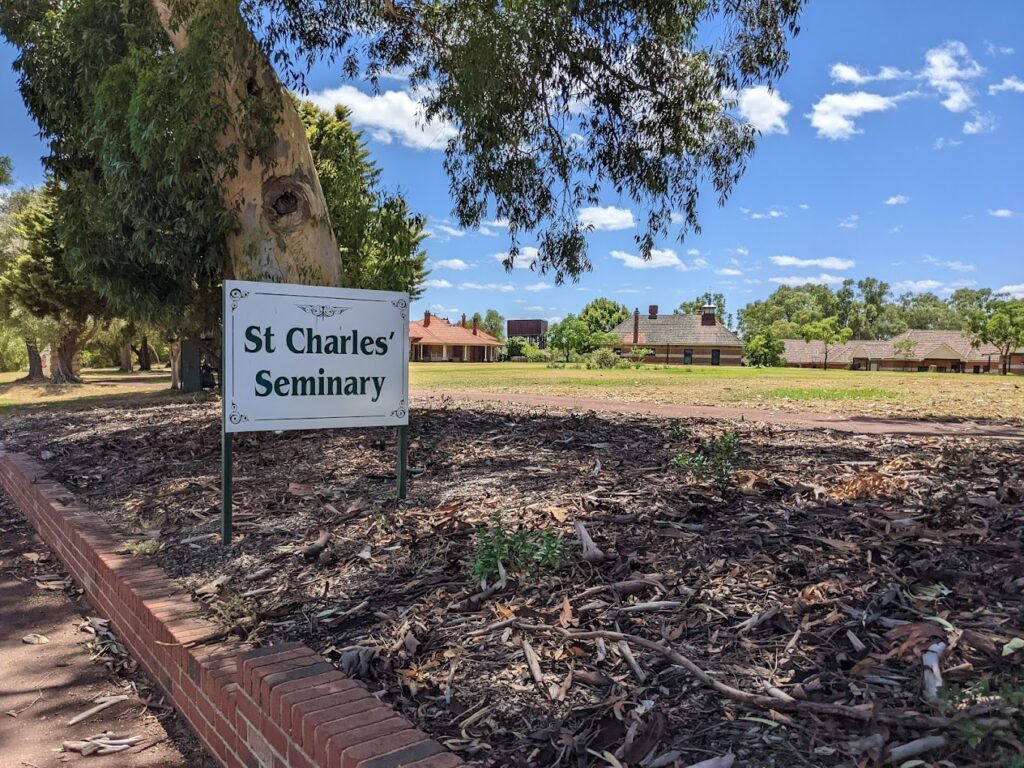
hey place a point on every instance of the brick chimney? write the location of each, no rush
(636, 325)
(463, 320)
(652, 311)
(707, 314)
(475, 331)
(426, 318)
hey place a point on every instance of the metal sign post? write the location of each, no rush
(225, 487)
(403, 460)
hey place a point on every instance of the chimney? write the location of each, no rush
(475, 332)
(636, 325)
(426, 318)
(707, 314)
(463, 319)
(652, 311)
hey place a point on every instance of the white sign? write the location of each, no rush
(304, 357)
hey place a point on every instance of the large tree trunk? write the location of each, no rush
(35, 362)
(284, 232)
(62, 362)
(125, 362)
(144, 355)
(175, 363)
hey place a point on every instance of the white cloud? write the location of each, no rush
(448, 230)
(764, 109)
(980, 124)
(554, 319)
(947, 68)
(442, 309)
(992, 49)
(700, 263)
(437, 283)
(456, 264)
(804, 206)
(834, 114)
(659, 259)
(895, 230)
(1016, 291)
(846, 73)
(493, 287)
(534, 308)
(932, 286)
(941, 143)
(829, 262)
(499, 223)
(1002, 213)
(956, 266)
(850, 222)
(1012, 84)
(772, 214)
(524, 260)
(742, 251)
(822, 279)
(387, 116)
(541, 286)
(608, 219)
(693, 252)
(728, 271)
(898, 200)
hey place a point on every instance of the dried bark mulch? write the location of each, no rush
(828, 569)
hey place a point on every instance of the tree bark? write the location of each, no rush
(35, 362)
(175, 362)
(284, 232)
(62, 362)
(125, 362)
(144, 355)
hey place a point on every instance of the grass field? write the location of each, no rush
(903, 395)
(101, 385)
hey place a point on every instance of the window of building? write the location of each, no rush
(716, 356)
(687, 357)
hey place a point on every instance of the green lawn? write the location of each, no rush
(907, 395)
(100, 385)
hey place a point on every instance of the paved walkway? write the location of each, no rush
(857, 424)
(43, 686)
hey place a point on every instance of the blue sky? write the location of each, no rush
(891, 148)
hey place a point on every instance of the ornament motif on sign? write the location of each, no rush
(401, 304)
(235, 417)
(237, 294)
(321, 311)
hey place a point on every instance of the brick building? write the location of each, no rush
(680, 339)
(914, 350)
(534, 331)
(435, 339)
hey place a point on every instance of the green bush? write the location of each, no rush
(715, 461)
(517, 551)
(13, 353)
(603, 358)
(535, 354)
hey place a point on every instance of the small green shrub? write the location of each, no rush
(603, 358)
(143, 547)
(517, 551)
(715, 461)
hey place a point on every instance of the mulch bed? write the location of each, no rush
(836, 569)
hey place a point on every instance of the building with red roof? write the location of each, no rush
(435, 339)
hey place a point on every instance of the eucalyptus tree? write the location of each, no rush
(180, 116)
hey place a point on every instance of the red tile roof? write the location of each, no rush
(440, 331)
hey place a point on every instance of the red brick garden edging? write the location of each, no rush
(280, 706)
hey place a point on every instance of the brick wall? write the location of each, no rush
(274, 707)
(673, 354)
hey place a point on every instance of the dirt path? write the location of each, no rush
(43, 686)
(857, 424)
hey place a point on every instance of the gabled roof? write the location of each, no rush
(928, 344)
(800, 352)
(440, 331)
(677, 329)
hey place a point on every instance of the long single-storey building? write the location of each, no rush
(679, 339)
(434, 339)
(914, 350)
